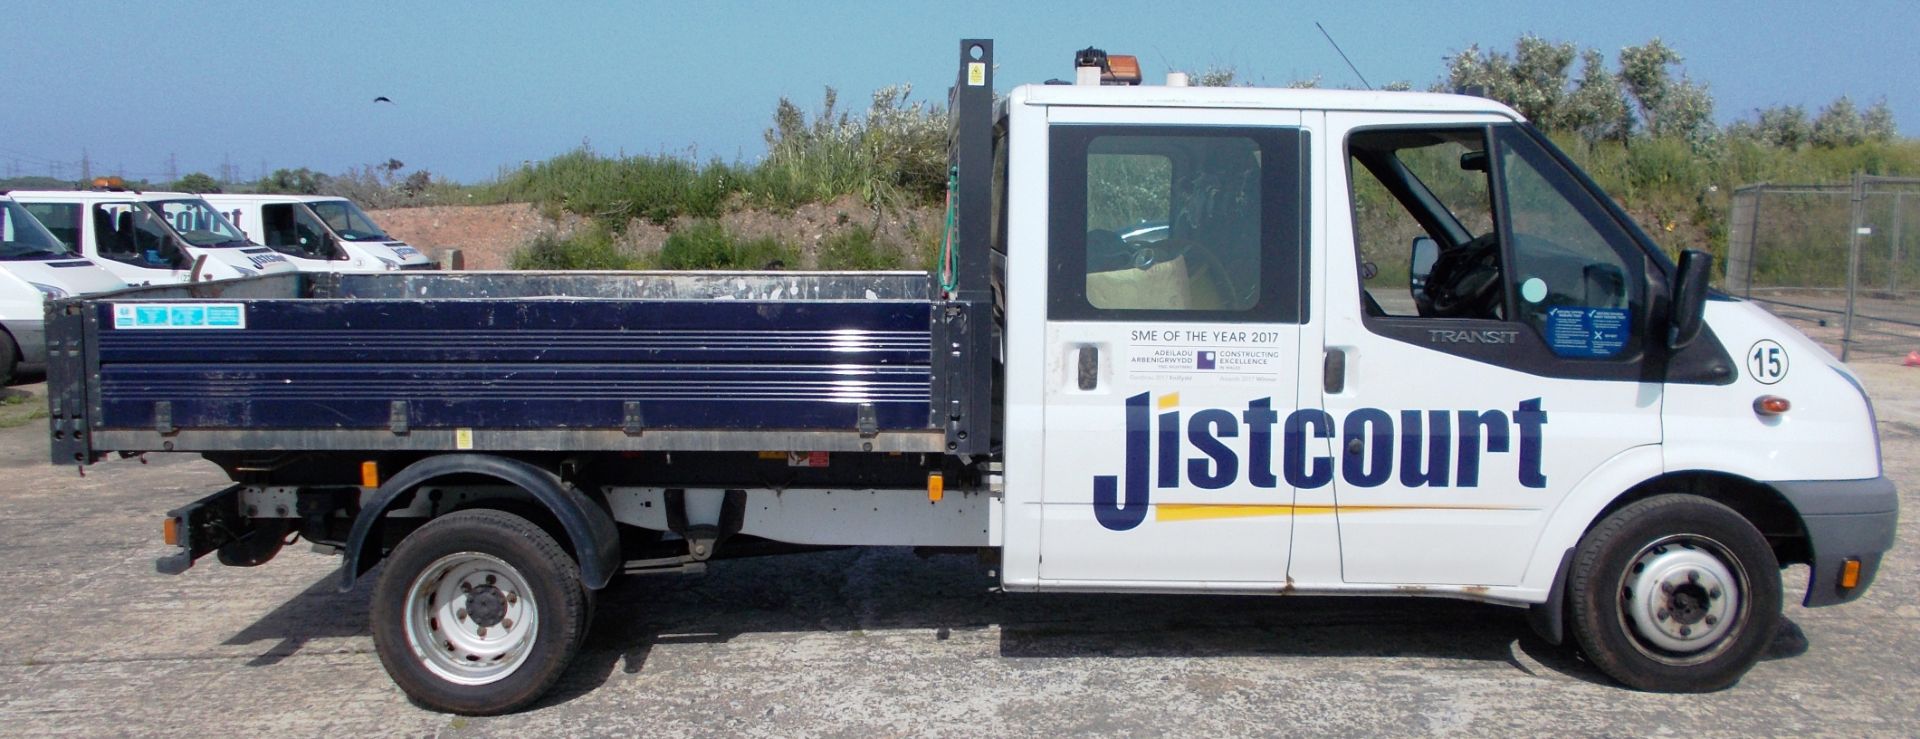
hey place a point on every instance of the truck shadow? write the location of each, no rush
(895, 595)
(891, 593)
(319, 612)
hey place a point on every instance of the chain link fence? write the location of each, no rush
(1840, 261)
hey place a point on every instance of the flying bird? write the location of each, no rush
(384, 99)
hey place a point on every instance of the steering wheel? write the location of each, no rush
(1465, 280)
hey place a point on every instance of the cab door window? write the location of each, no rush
(1475, 241)
(1569, 259)
(127, 233)
(290, 229)
(1451, 207)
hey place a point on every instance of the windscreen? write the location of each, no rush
(198, 223)
(348, 221)
(22, 238)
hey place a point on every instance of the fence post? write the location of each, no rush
(1753, 233)
(1893, 259)
(1859, 223)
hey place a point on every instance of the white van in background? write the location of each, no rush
(319, 233)
(150, 237)
(34, 268)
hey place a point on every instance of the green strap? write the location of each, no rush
(949, 270)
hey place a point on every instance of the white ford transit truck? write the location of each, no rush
(151, 238)
(318, 233)
(35, 268)
(1181, 340)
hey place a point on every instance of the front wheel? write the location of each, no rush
(1675, 593)
(478, 612)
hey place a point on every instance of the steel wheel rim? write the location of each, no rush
(1683, 598)
(471, 619)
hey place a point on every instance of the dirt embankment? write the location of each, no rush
(488, 235)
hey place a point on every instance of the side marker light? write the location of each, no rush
(1850, 574)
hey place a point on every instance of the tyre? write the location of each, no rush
(478, 612)
(1675, 593)
(9, 359)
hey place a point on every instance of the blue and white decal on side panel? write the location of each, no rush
(129, 316)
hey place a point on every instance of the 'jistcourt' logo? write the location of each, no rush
(1436, 448)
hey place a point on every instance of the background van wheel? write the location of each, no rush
(1675, 593)
(9, 359)
(478, 612)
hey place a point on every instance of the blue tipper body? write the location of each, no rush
(553, 363)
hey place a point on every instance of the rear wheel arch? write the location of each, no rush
(581, 526)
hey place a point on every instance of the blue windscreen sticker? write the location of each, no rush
(1587, 332)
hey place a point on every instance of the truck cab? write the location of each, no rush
(151, 238)
(319, 233)
(35, 268)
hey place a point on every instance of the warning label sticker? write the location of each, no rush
(191, 316)
(1587, 332)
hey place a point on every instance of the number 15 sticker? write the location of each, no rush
(1767, 362)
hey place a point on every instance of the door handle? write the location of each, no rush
(1333, 372)
(1089, 367)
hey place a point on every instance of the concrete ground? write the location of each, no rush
(862, 643)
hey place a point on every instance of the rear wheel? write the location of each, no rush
(478, 612)
(1675, 593)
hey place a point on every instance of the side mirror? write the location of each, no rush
(1426, 251)
(1689, 306)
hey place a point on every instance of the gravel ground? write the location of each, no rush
(867, 642)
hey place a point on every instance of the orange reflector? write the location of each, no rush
(369, 474)
(936, 487)
(1771, 405)
(1850, 574)
(170, 531)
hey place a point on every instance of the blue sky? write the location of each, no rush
(481, 85)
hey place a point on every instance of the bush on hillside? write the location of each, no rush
(707, 245)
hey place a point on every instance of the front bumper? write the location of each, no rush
(1844, 519)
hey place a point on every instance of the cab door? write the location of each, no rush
(1172, 339)
(130, 242)
(1492, 320)
(294, 232)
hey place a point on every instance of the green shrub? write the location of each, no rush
(593, 247)
(613, 190)
(707, 245)
(856, 249)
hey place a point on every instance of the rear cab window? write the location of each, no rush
(1194, 223)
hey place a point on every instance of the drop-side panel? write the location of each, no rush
(529, 363)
